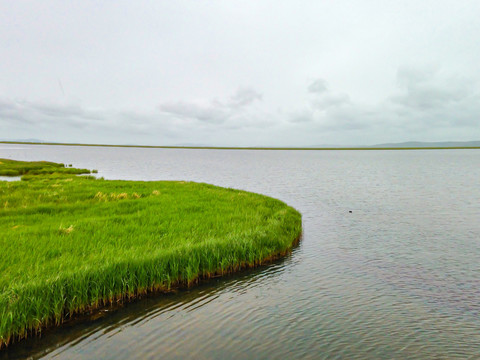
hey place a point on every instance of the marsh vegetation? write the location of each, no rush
(72, 244)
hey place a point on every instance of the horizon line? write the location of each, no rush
(244, 147)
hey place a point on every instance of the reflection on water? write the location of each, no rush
(387, 267)
(145, 312)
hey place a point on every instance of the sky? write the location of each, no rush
(240, 73)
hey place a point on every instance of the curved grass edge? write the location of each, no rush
(9, 167)
(178, 267)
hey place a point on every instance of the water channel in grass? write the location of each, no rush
(388, 266)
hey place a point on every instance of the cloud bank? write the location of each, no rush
(427, 105)
(263, 74)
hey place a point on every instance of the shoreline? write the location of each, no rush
(75, 244)
(246, 148)
(93, 312)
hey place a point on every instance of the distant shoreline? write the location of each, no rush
(245, 148)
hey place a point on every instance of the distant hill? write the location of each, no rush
(409, 144)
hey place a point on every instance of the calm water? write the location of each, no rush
(399, 277)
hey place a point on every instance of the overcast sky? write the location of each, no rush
(240, 73)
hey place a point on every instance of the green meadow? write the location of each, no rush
(70, 244)
(17, 168)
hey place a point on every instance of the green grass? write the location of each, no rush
(71, 244)
(16, 168)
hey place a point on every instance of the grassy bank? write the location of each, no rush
(16, 168)
(70, 244)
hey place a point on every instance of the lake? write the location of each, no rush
(388, 266)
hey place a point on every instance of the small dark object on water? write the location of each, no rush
(350, 211)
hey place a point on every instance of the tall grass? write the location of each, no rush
(16, 168)
(70, 244)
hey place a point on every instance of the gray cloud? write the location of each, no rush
(171, 123)
(424, 90)
(244, 97)
(26, 112)
(327, 101)
(75, 120)
(429, 101)
(318, 86)
(327, 109)
(302, 116)
(426, 102)
(215, 112)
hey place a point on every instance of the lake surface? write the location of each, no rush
(398, 277)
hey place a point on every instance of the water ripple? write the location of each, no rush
(387, 267)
